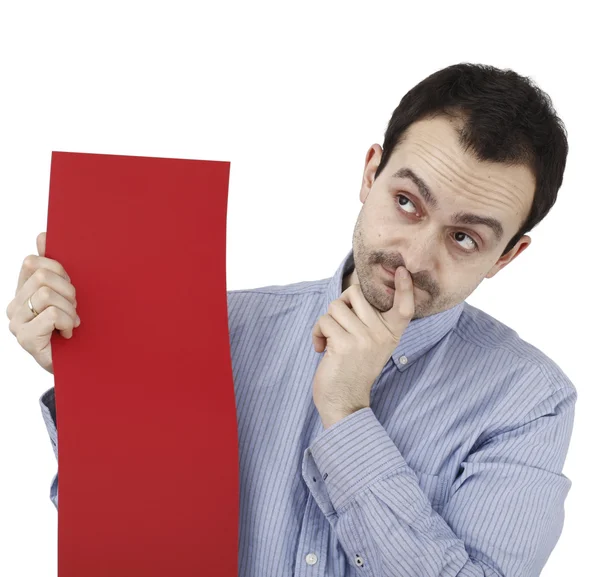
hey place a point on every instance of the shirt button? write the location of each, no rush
(403, 360)
(311, 559)
(359, 561)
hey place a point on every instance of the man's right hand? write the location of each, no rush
(52, 296)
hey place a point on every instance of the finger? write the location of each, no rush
(41, 300)
(35, 334)
(346, 317)
(32, 263)
(354, 297)
(41, 243)
(326, 328)
(41, 277)
(319, 343)
(403, 308)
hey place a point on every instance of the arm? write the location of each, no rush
(504, 512)
(48, 407)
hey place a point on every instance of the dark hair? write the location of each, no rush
(507, 119)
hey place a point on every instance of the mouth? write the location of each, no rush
(390, 286)
(388, 274)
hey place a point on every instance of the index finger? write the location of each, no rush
(33, 263)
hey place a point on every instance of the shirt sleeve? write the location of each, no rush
(502, 517)
(48, 406)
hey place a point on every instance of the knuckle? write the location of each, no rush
(45, 293)
(53, 313)
(389, 338)
(21, 338)
(365, 342)
(343, 346)
(409, 312)
(29, 262)
(41, 274)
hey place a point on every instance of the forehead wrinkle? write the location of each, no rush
(501, 195)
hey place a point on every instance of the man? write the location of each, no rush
(386, 427)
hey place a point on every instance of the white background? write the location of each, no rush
(293, 95)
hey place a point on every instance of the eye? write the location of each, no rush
(466, 236)
(470, 246)
(402, 198)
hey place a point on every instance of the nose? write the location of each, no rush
(420, 252)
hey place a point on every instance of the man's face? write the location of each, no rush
(397, 226)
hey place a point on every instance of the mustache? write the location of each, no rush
(420, 280)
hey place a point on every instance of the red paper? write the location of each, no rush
(145, 405)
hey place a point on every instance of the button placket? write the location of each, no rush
(313, 542)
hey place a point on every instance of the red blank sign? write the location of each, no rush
(145, 405)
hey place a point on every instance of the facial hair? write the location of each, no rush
(428, 300)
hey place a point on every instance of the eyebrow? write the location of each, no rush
(457, 218)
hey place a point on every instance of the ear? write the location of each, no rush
(521, 245)
(372, 161)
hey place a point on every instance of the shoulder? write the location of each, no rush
(272, 300)
(298, 288)
(275, 292)
(500, 343)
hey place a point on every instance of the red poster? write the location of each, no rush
(145, 405)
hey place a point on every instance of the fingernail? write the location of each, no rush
(78, 321)
(403, 273)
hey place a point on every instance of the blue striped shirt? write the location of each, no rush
(455, 469)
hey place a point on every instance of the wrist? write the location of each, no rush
(331, 416)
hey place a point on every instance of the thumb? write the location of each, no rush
(41, 243)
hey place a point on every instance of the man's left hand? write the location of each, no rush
(358, 342)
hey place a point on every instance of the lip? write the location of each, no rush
(391, 286)
(392, 274)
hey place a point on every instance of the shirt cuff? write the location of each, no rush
(48, 406)
(47, 400)
(352, 454)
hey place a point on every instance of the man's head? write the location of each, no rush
(472, 159)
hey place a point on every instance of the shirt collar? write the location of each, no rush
(419, 336)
